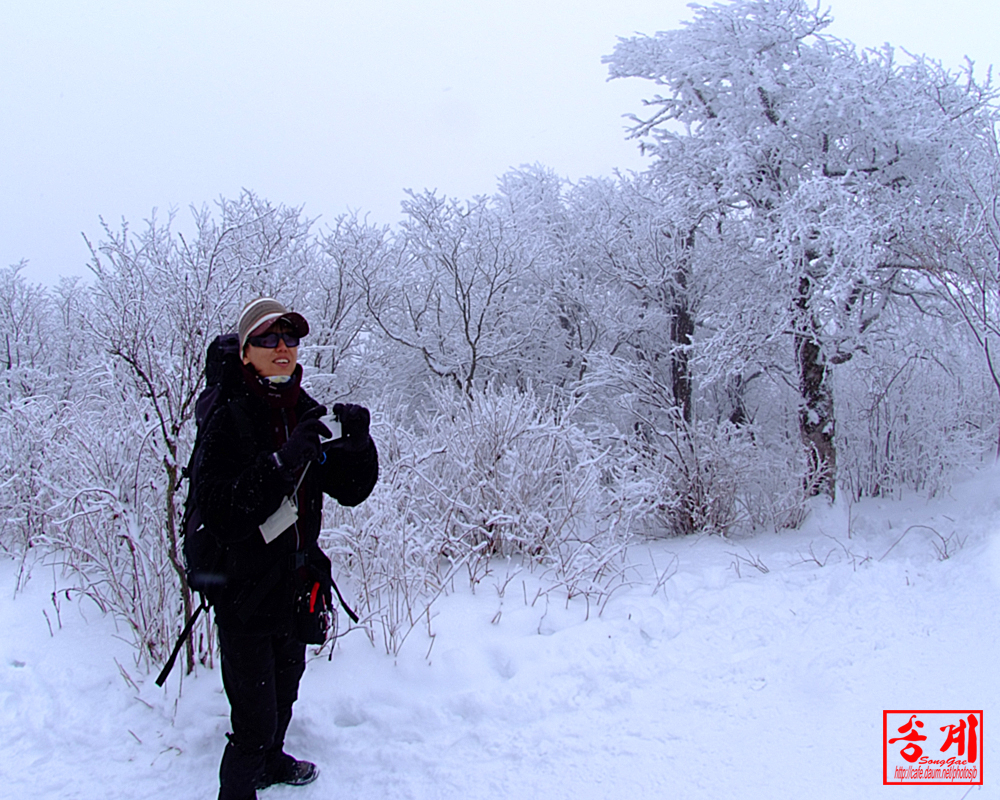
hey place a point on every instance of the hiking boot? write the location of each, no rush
(289, 771)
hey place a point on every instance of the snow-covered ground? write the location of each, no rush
(760, 669)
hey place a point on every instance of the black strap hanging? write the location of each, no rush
(347, 608)
(162, 677)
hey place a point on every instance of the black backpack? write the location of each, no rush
(204, 554)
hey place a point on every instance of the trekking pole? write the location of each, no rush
(162, 677)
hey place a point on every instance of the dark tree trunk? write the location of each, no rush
(816, 413)
(735, 388)
(682, 332)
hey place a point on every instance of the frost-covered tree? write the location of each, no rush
(957, 259)
(24, 321)
(459, 291)
(333, 300)
(533, 201)
(821, 149)
(645, 247)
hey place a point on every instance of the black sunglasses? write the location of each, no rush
(270, 340)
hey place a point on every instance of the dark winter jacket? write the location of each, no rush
(238, 486)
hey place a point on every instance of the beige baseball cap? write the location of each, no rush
(258, 315)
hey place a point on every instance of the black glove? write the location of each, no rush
(354, 420)
(303, 445)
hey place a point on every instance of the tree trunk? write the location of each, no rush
(816, 412)
(735, 388)
(682, 332)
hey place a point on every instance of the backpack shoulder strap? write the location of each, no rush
(241, 418)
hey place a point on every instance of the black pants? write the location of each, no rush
(261, 675)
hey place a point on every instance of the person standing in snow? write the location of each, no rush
(263, 448)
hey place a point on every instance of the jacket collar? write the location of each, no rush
(274, 395)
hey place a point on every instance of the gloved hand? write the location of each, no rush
(354, 420)
(303, 445)
(351, 462)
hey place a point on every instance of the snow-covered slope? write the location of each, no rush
(759, 669)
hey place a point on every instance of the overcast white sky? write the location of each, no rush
(113, 107)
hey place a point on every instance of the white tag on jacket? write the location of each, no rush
(280, 521)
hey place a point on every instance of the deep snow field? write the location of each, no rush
(728, 681)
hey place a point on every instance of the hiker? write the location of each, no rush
(265, 448)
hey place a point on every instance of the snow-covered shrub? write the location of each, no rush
(82, 489)
(389, 548)
(739, 466)
(772, 482)
(106, 524)
(500, 474)
(681, 481)
(26, 431)
(910, 415)
(715, 478)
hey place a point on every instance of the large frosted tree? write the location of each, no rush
(824, 151)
